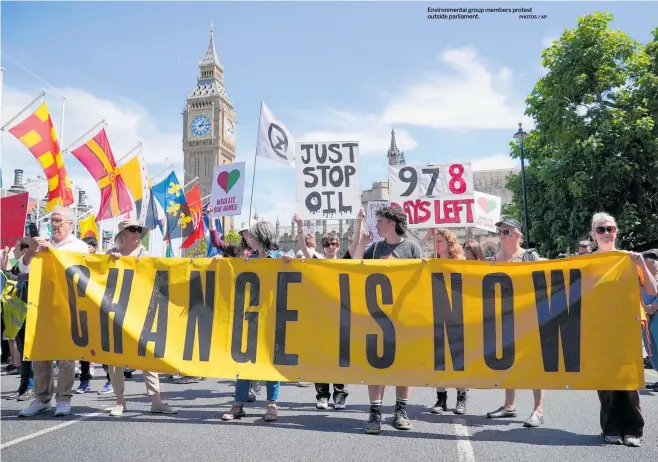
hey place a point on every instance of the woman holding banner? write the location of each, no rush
(650, 335)
(128, 244)
(621, 415)
(510, 233)
(447, 247)
(261, 237)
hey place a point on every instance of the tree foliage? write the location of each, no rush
(200, 250)
(233, 237)
(595, 142)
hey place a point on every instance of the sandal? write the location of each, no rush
(271, 413)
(236, 412)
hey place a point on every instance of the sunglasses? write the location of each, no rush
(504, 232)
(330, 244)
(134, 229)
(606, 229)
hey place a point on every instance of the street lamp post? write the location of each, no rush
(521, 135)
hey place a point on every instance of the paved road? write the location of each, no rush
(571, 430)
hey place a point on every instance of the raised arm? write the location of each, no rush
(301, 241)
(364, 240)
(358, 227)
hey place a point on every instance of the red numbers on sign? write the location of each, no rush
(456, 184)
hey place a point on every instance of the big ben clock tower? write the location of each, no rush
(208, 125)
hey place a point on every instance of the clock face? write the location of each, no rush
(200, 125)
(229, 130)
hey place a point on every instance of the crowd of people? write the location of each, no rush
(620, 412)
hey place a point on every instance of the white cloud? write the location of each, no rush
(472, 97)
(495, 162)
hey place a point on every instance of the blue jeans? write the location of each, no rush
(651, 344)
(242, 390)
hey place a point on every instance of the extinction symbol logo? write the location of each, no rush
(278, 140)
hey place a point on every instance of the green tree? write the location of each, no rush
(200, 250)
(232, 237)
(595, 142)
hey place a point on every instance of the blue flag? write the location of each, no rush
(212, 250)
(169, 194)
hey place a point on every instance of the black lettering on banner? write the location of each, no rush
(334, 148)
(119, 309)
(240, 316)
(351, 147)
(559, 320)
(313, 202)
(283, 316)
(201, 313)
(159, 305)
(448, 319)
(308, 171)
(329, 210)
(345, 321)
(307, 150)
(79, 332)
(385, 324)
(489, 284)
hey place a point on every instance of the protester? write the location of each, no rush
(621, 415)
(61, 220)
(510, 233)
(261, 237)
(226, 248)
(392, 227)
(473, 251)
(584, 247)
(447, 247)
(650, 335)
(128, 243)
(85, 366)
(330, 246)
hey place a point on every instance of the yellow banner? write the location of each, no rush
(550, 324)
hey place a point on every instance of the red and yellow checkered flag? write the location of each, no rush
(36, 132)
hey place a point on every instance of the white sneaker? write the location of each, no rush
(323, 403)
(633, 441)
(117, 411)
(36, 407)
(62, 409)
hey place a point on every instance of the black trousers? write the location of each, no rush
(323, 390)
(86, 375)
(621, 414)
(26, 366)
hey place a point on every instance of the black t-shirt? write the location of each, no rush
(347, 255)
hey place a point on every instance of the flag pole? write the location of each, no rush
(61, 122)
(139, 145)
(102, 122)
(190, 182)
(253, 176)
(23, 110)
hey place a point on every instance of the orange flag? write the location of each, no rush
(193, 199)
(36, 132)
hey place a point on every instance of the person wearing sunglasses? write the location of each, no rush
(621, 415)
(511, 236)
(128, 243)
(473, 251)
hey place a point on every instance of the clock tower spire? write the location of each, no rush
(209, 121)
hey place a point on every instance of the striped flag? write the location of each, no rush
(88, 227)
(138, 182)
(36, 132)
(193, 198)
(96, 155)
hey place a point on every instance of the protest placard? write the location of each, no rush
(487, 211)
(227, 190)
(371, 217)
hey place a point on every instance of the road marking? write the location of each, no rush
(49, 429)
(464, 446)
(651, 372)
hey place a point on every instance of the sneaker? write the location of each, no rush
(271, 413)
(26, 395)
(163, 408)
(323, 403)
(374, 424)
(37, 407)
(251, 397)
(460, 408)
(441, 403)
(106, 389)
(85, 387)
(62, 409)
(401, 418)
(118, 410)
(613, 439)
(339, 402)
(633, 441)
(236, 412)
(536, 419)
(502, 413)
(13, 396)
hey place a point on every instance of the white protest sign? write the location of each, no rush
(371, 217)
(227, 190)
(487, 211)
(434, 196)
(328, 180)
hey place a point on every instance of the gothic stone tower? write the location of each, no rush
(208, 125)
(394, 155)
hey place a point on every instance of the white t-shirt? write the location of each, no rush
(314, 254)
(71, 244)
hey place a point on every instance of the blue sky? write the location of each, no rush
(453, 90)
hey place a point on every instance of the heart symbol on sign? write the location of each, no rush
(226, 180)
(486, 205)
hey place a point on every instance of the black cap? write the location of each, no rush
(510, 222)
(650, 254)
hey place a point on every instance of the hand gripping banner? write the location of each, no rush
(557, 324)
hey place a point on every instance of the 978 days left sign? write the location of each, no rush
(328, 180)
